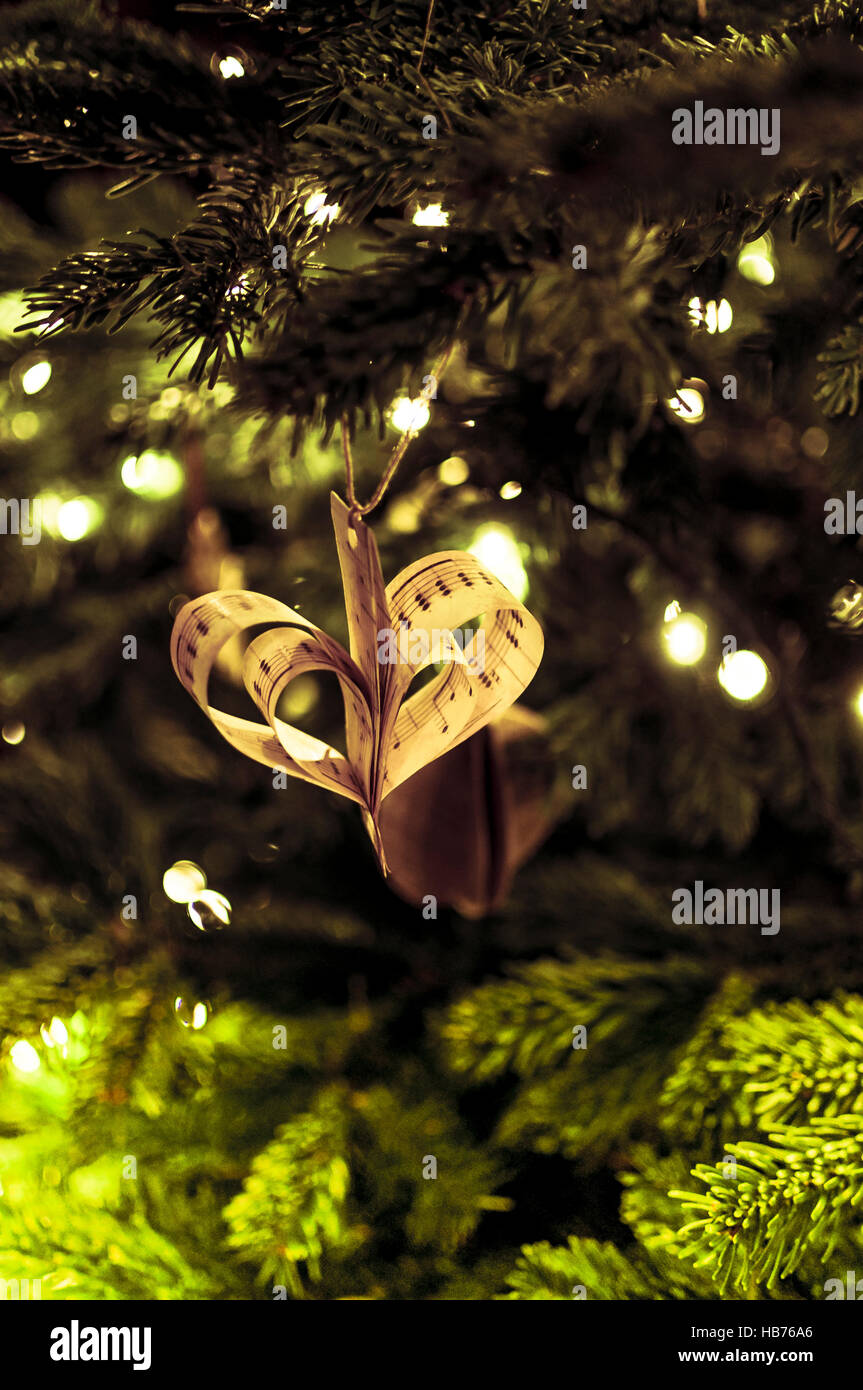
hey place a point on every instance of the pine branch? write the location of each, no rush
(293, 1205)
(794, 1062)
(786, 1199)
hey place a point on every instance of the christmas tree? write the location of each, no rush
(574, 291)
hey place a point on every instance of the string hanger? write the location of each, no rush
(357, 509)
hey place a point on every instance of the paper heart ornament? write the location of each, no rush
(394, 631)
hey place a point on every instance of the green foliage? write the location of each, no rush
(292, 1204)
(576, 1099)
(82, 1252)
(351, 1047)
(776, 1203)
(553, 1273)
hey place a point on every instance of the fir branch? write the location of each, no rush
(700, 1104)
(82, 1252)
(292, 1209)
(793, 1062)
(782, 1201)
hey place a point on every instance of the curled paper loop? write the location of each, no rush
(394, 631)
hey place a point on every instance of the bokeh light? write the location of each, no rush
(78, 517)
(184, 881)
(24, 1056)
(497, 549)
(35, 378)
(755, 262)
(685, 638)
(743, 675)
(407, 414)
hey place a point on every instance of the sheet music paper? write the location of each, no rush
(388, 737)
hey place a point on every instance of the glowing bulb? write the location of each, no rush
(497, 549)
(509, 491)
(13, 733)
(686, 639)
(409, 414)
(59, 1032)
(318, 210)
(190, 1015)
(25, 425)
(715, 317)
(672, 611)
(35, 378)
(688, 404)
(432, 215)
(743, 675)
(453, 471)
(152, 475)
(231, 67)
(24, 1056)
(238, 289)
(755, 263)
(210, 911)
(183, 881)
(757, 269)
(77, 518)
(56, 1034)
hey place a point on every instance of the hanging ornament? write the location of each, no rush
(459, 829)
(395, 631)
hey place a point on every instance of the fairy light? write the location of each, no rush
(688, 404)
(24, 425)
(209, 910)
(194, 1017)
(231, 66)
(755, 262)
(454, 471)
(432, 215)
(152, 474)
(318, 210)
(35, 378)
(183, 881)
(685, 639)
(497, 549)
(24, 1056)
(13, 733)
(239, 288)
(56, 1034)
(407, 414)
(715, 316)
(510, 491)
(743, 675)
(77, 518)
